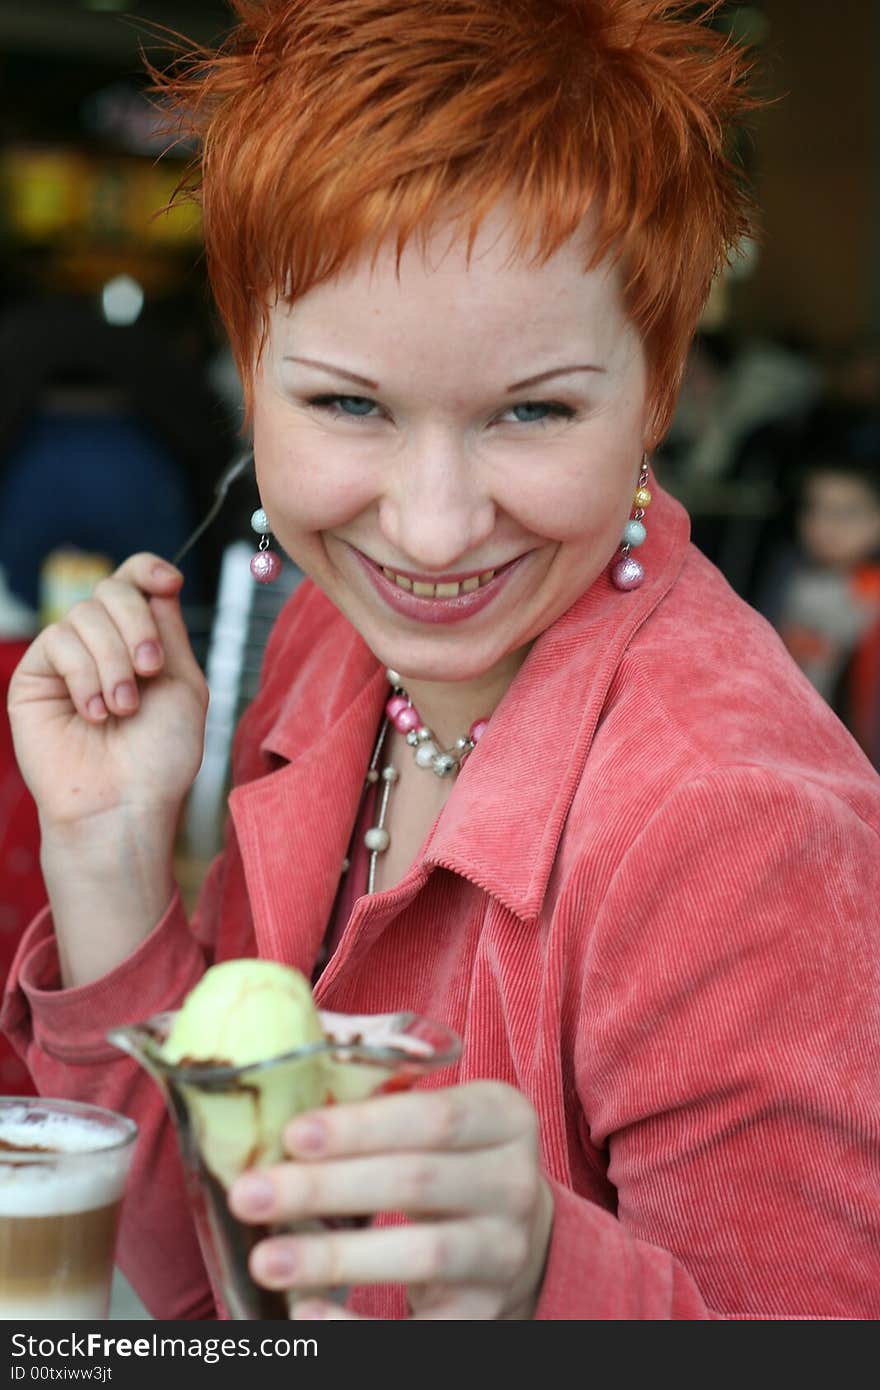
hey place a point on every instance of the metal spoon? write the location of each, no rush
(226, 479)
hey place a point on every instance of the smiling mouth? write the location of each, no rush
(446, 589)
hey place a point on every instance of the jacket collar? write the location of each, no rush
(515, 790)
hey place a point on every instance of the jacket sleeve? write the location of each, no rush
(61, 1036)
(60, 1033)
(728, 1064)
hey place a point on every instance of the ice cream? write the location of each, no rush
(242, 1013)
(248, 1052)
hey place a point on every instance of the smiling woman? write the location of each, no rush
(520, 760)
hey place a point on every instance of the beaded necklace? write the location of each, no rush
(403, 715)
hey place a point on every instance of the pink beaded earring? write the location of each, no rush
(626, 571)
(265, 565)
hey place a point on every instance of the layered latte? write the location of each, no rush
(62, 1176)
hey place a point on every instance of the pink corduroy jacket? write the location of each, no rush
(651, 904)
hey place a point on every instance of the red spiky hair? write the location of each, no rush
(325, 125)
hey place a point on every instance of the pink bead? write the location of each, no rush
(395, 705)
(477, 729)
(406, 720)
(627, 573)
(265, 566)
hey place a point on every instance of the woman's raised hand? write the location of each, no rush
(108, 705)
(462, 1162)
(108, 714)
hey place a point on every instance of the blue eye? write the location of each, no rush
(339, 405)
(552, 409)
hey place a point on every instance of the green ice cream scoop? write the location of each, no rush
(244, 1013)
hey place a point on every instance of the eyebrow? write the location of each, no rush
(374, 385)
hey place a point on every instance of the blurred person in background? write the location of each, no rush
(733, 390)
(823, 591)
(725, 455)
(110, 441)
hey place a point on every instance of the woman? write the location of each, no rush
(460, 249)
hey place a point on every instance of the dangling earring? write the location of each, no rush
(265, 565)
(626, 572)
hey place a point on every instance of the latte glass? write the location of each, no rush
(63, 1168)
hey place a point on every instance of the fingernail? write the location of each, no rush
(163, 571)
(307, 1136)
(279, 1264)
(125, 695)
(148, 654)
(96, 708)
(254, 1194)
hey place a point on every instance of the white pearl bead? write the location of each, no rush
(425, 754)
(377, 839)
(424, 734)
(260, 522)
(634, 534)
(393, 677)
(372, 775)
(390, 774)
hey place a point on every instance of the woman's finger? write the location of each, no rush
(149, 573)
(483, 1250)
(473, 1116)
(180, 661)
(135, 622)
(495, 1180)
(99, 634)
(66, 657)
(456, 1303)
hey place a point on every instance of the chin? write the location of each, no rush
(415, 664)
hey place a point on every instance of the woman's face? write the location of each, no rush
(415, 435)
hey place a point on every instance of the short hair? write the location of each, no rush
(842, 441)
(325, 126)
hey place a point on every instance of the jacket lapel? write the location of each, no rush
(293, 828)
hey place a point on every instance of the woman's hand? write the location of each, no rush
(108, 706)
(108, 712)
(461, 1162)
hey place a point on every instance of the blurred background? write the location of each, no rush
(119, 405)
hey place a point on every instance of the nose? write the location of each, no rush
(436, 508)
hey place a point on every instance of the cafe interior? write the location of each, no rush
(106, 321)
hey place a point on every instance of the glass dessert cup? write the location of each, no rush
(229, 1119)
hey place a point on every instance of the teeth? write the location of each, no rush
(467, 586)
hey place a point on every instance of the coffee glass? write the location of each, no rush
(229, 1119)
(63, 1167)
